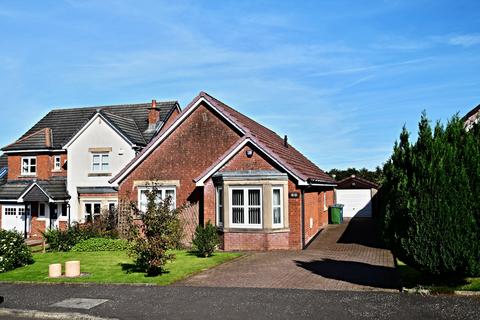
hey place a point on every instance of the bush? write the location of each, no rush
(101, 244)
(14, 252)
(429, 199)
(205, 240)
(155, 236)
(65, 240)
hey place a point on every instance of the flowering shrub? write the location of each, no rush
(14, 252)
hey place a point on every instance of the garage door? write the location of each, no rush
(357, 202)
(13, 218)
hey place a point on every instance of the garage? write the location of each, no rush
(355, 194)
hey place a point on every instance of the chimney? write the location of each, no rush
(153, 115)
(285, 141)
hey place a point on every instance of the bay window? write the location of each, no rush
(246, 207)
(161, 194)
(277, 206)
(219, 207)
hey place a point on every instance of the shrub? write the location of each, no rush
(65, 240)
(155, 236)
(429, 199)
(101, 244)
(14, 252)
(205, 240)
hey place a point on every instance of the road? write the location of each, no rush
(178, 302)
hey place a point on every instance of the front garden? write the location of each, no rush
(148, 250)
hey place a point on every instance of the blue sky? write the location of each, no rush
(340, 78)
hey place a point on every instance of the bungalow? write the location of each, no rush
(58, 171)
(472, 117)
(259, 191)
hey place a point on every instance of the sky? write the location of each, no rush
(340, 78)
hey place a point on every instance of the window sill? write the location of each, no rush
(99, 174)
(57, 170)
(27, 175)
(250, 230)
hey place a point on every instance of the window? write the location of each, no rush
(277, 206)
(41, 210)
(246, 207)
(57, 163)
(92, 211)
(29, 165)
(9, 211)
(100, 162)
(219, 196)
(161, 194)
(112, 207)
(64, 210)
(325, 201)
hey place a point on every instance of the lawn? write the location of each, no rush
(412, 278)
(113, 267)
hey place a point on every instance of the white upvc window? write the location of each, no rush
(219, 207)
(277, 207)
(29, 166)
(100, 162)
(162, 193)
(92, 211)
(325, 207)
(246, 207)
(57, 165)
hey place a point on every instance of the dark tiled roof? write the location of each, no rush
(56, 188)
(273, 143)
(3, 169)
(289, 156)
(472, 112)
(130, 119)
(355, 182)
(96, 190)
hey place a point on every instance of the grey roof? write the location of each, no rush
(3, 169)
(130, 119)
(56, 188)
(96, 190)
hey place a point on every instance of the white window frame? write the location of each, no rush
(274, 206)
(92, 204)
(162, 190)
(325, 207)
(219, 206)
(245, 206)
(29, 172)
(57, 163)
(101, 162)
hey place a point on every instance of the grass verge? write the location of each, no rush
(114, 267)
(412, 279)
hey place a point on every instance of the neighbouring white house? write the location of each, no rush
(58, 171)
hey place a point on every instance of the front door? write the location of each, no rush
(13, 218)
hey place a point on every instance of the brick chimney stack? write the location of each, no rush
(153, 115)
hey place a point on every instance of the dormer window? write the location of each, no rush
(100, 162)
(57, 163)
(29, 166)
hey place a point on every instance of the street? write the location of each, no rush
(180, 302)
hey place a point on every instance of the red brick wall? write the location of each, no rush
(241, 162)
(314, 209)
(209, 202)
(235, 241)
(185, 154)
(45, 164)
(294, 217)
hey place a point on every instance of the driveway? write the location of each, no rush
(342, 257)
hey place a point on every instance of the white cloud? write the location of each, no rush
(465, 40)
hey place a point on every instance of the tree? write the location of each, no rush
(375, 176)
(156, 235)
(429, 199)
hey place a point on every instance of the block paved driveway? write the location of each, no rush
(343, 257)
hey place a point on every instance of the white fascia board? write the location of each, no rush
(34, 150)
(167, 133)
(85, 127)
(201, 182)
(20, 199)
